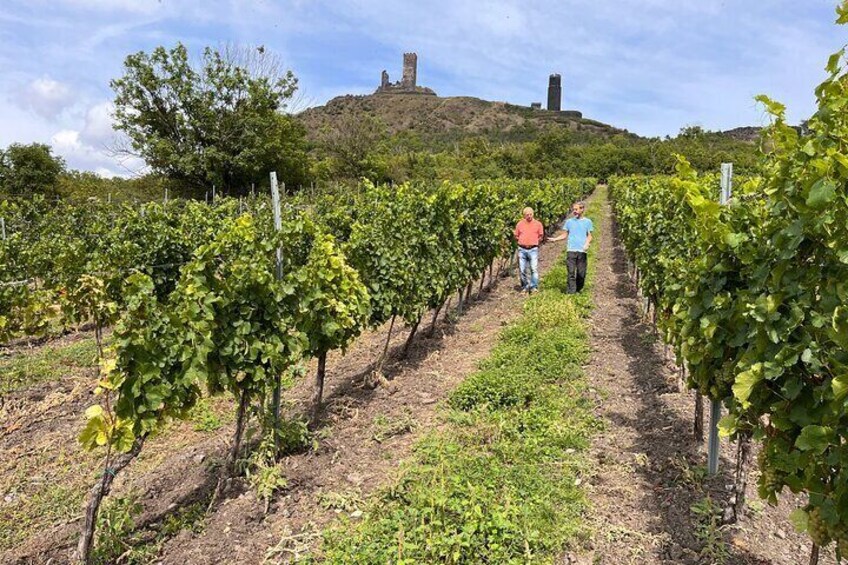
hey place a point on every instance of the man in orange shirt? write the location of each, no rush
(529, 233)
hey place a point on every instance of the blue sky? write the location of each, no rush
(651, 66)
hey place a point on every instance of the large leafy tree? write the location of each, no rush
(31, 169)
(220, 122)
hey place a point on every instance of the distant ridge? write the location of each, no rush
(745, 133)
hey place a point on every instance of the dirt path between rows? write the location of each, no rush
(649, 489)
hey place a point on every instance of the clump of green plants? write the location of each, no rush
(263, 472)
(119, 540)
(116, 524)
(709, 531)
(204, 417)
(386, 427)
(345, 501)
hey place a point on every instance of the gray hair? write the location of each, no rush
(580, 203)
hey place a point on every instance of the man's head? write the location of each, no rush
(527, 213)
(578, 208)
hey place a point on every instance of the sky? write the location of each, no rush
(649, 66)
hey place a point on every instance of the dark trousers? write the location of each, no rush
(576, 263)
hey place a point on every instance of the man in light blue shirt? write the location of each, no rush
(578, 230)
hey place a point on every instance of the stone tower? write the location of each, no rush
(410, 71)
(555, 93)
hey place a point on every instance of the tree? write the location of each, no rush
(221, 122)
(351, 145)
(26, 170)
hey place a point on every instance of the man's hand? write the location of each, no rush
(563, 235)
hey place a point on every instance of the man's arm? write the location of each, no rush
(560, 237)
(588, 242)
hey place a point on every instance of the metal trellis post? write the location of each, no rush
(278, 226)
(715, 405)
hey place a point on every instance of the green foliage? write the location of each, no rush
(264, 475)
(348, 149)
(204, 417)
(386, 427)
(336, 303)
(220, 124)
(227, 321)
(535, 153)
(709, 531)
(29, 170)
(236, 316)
(80, 187)
(120, 541)
(347, 501)
(752, 296)
(116, 523)
(293, 436)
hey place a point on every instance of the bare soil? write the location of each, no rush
(181, 466)
(649, 469)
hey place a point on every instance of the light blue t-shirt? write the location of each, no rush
(578, 232)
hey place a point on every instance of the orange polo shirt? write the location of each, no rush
(529, 233)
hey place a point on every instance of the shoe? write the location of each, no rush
(532, 290)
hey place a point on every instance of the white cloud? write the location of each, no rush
(98, 126)
(105, 173)
(46, 97)
(80, 153)
(66, 140)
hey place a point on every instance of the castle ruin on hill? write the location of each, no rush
(408, 84)
(555, 99)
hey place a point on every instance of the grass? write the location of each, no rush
(48, 363)
(500, 481)
(45, 480)
(52, 504)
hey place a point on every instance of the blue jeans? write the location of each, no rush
(531, 257)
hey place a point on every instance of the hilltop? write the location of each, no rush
(447, 118)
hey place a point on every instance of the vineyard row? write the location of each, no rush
(240, 303)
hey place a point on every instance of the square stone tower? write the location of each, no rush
(410, 71)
